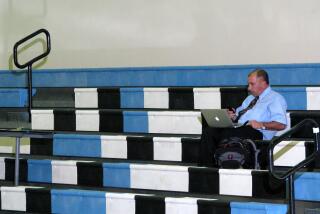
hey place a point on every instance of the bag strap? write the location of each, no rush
(256, 153)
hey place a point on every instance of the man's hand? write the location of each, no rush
(232, 113)
(255, 124)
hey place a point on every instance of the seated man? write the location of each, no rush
(263, 113)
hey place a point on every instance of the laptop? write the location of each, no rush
(218, 118)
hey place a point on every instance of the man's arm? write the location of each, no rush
(277, 118)
(273, 125)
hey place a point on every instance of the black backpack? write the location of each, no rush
(235, 152)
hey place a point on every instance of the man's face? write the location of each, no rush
(256, 85)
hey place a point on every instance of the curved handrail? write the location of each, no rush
(303, 163)
(46, 53)
(30, 62)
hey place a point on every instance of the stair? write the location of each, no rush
(136, 150)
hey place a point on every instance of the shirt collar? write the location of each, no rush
(265, 92)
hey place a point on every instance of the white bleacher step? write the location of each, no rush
(164, 98)
(15, 198)
(166, 122)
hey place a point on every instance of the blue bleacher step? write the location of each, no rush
(130, 147)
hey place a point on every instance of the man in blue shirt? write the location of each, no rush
(263, 112)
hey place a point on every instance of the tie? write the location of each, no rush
(250, 106)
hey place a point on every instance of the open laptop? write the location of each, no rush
(218, 118)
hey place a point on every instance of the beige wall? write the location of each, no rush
(120, 33)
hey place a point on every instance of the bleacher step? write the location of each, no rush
(152, 148)
(44, 199)
(187, 98)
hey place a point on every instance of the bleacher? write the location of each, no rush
(127, 141)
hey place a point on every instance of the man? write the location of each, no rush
(263, 113)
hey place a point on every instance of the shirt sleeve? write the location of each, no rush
(278, 110)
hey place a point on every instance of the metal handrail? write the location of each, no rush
(18, 134)
(287, 134)
(290, 173)
(30, 62)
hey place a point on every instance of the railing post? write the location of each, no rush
(291, 195)
(30, 90)
(16, 169)
(18, 134)
(316, 138)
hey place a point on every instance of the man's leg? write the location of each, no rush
(208, 143)
(242, 132)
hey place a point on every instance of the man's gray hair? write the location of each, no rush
(261, 74)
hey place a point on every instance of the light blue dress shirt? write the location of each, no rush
(271, 106)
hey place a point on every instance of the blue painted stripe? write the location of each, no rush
(230, 75)
(116, 175)
(296, 97)
(78, 201)
(135, 121)
(10, 78)
(40, 171)
(257, 208)
(77, 145)
(132, 97)
(307, 186)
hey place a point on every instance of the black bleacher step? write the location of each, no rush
(233, 97)
(14, 118)
(181, 98)
(54, 97)
(298, 116)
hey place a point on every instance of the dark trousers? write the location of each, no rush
(212, 136)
